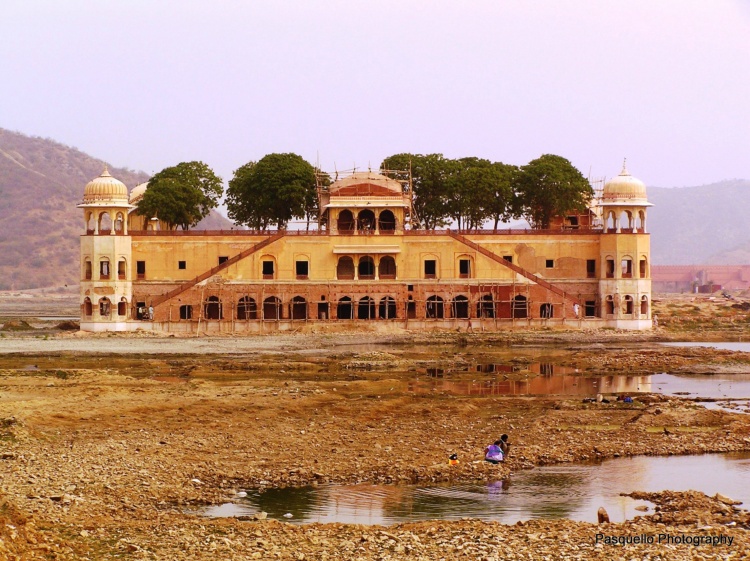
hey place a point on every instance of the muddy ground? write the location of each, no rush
(107, 442)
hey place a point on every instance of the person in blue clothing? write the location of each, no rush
(494, 453)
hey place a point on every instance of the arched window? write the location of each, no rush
(366, 308)
(643, 267)
(212, 309)
(105, 223)
(520, 307)
(247, 308)
(626, 220)
(345, 268)
(644, 305)
(460, 307)
(87, 307)
(609, 305)
(104, 271)
(298, 308)
(546, 310)
(87, 269)
(90, 223)
(345, 310)
(121, 269)
(626, 266)
(105, 308)
(386, 222)
(272, 308)
(387, 308)
(122, 307)
(119, 223)
(366, 221)
(387, 267)
(627, 305)
(366, 268)
(641, 221)
(186, 311)
(345, 223)
(434, 308)
(610, 221)
(486, 307)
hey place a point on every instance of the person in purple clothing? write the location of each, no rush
(494, 453)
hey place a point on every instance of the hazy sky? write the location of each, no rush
(148, 83)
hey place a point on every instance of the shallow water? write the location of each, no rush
(573, 491)
(724, 346)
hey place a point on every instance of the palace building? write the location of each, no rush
(364, 264)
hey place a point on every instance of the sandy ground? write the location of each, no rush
(106, 441)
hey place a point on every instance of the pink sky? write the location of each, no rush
(147, 83)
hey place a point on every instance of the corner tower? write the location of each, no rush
(625, 277)
(106, 278)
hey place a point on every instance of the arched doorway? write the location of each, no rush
(122, 307)
(644, 305)
(105, 308)
(212, 309)
(366, 268)
(627, 305)
(344, 309)
(366, 221)
(345, 222)
(366, 308)
(272, 308)
(486, 307)
(387, 267)
(434, 308)
(609, 305)
(345, 268)
(520, 307)
(460, 307)
(298, 308)
(87, 307)
(387, 308)
(386, 222)
(247, 308)
(546, 310)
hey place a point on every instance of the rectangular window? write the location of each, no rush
(182, 264)
(267, 269)
(140, 269)
(223, 259)
(610, 268)
(87, 274)
(508, 258)
(627, 269)
(410, 287)
(121, 271)
(591, 268)
(589, 309)
(186, 311)
(642, 267)
(549, 263)
(430, 268)
(464, 268)
(301, 268)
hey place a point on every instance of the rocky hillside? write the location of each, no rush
(41, 181)
(697, 225)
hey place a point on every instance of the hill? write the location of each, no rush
(41, 181)
(700, 225)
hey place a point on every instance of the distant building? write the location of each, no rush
(364, 264)
(700, 278)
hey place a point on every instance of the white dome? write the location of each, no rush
(105, 188)
(624, 188)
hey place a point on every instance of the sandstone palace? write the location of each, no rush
(364, 264)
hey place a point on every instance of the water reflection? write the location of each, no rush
(564, 491)
(539, 385)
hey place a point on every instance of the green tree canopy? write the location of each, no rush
(272, 191)
(429, 175)
(551, 186)
(181, 195)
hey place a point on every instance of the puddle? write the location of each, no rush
(724, 346)
(573, 491)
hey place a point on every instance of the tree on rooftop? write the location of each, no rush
(551, 186)
(429, 175)
(272, 191)
(181, 195)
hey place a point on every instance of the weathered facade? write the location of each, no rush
(364, 264)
